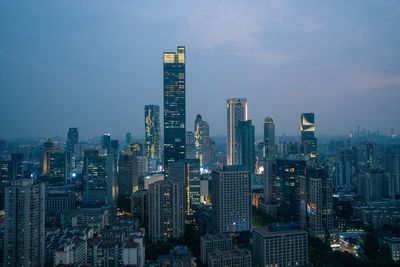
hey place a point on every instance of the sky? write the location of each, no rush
(94, 64)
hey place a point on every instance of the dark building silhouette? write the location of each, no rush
(308, 140)
(174, 107)
(269, 137)
(247, 156)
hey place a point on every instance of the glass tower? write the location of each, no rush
(152, 131)
(269, 137)
(174, 107)
(308, 141)
(236, 111)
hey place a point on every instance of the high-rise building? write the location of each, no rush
(231, 199)
(212, 243)
(187, 172)
(152, 131)
(269, 137)
(202, 140)
(166, 210)
(106, 143)
(128, 138)
(281, 245)
(190, 147)
(57, 170)
(16, 167)
(128, 177)
(236, 111)
(247, 154)
(72, 139)
(48, 147)
(316, 203)
(95, 178)
(308, 140)
(281, 185)
(174, 107)
(24, 236)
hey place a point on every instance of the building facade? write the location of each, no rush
(269, 137)
(236, 109)
(308, 140)
(174, 106)
(152, 131)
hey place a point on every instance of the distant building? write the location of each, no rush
(247, 155)
(283, 245)
(231, 200)
(152, 131)
(308, 140)
(128, 138)
(166, 210)
(139, 206)
(128, 177)
(72, 140)
(269, 137)
(24, 234)
(106, 143)
(236, 111)
(180, 256)
(48, 148)
(202, 140)
(94, 178)
(174, 107)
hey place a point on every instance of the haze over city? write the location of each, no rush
(95, 64)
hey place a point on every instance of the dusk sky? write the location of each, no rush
(95, 64)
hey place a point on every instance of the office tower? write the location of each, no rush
(308, 141)
(281, 245)
(72, 139)
(238, 257)
(106, 143)
(128, 138)
(48, 147)
(152, 131)
(375, 185)
(190, 146)
(367, 156)
(94, 178)
(392, 168)
(231, 200)
(114, 146)
(344, 169)
(57, 170)
(202, 140)
(212, 243)
(247, 155)
(187, 172)
(128, 178)
(174, 107)
(16, 166)
(316, 203)
(236, 111)
(269, 137)
(282, 176)
(166, 210)
(24, 223)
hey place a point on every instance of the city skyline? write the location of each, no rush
(70, 71)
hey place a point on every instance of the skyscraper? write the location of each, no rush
(187, 172)
(308, 141)
(174, 106)
(48, 147)
(247, 156)
(106, 143)
(128, 177)
(201, 139)
(269, 137)
(316, 203)
(152, 131)
(190, 146)
(24, 236)
(236, 111)
(94, 178)
(166, 210)
(72, 139)
(128, 138)
(231, 200)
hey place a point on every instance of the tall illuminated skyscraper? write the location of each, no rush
(174, 106)
(269, 137)
(236, 111)
(48, 148)
(152, 131)
(308, 141)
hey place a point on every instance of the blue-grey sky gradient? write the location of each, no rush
(94, 64)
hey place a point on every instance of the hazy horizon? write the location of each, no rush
(95, 64)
